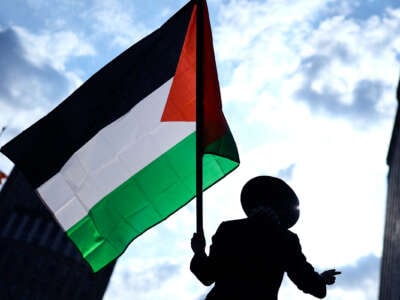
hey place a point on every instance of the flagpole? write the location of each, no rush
(199, 118)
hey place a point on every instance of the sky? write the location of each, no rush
(308, 89)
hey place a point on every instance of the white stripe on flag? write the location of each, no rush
(112, 156)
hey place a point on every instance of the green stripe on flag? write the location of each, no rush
(144, 200)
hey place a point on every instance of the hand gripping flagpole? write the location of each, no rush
(199, 117)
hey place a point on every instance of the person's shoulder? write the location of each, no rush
(233, 224)
(291, 234)
(291, 238)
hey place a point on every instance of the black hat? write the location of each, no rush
(274, 193)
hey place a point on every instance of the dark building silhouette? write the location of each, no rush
(390, 263)
(37, 260)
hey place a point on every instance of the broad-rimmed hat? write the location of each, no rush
(274, 193)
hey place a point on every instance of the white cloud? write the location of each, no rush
(53, 48)
(34, 72)
(35, 76)
(325, 65)
(243, 23)
(115, 19)
(339, 67)
(143, 279)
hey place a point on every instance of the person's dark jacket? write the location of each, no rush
(248, 258)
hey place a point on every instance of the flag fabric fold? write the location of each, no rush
(118, 155)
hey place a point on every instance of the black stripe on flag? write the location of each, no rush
(41, 150)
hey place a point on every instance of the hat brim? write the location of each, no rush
(274, 193)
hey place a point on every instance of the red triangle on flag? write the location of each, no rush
(181, 102)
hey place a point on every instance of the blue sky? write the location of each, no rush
(308, 89)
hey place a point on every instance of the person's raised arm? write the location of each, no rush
(303, 274)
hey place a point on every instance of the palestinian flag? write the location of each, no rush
(118, 155)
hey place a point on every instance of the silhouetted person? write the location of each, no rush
(248, 257)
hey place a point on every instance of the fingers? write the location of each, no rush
(329, 280)
(198, 235)
(329, 276)
(198, 243)
(333, 272)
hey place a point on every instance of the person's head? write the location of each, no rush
(274, 193)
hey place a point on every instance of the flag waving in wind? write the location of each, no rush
(118, 156)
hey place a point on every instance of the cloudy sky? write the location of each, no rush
(308, 89)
